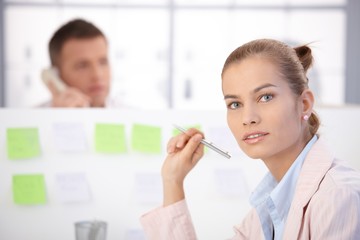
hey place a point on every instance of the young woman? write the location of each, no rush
(307, 194)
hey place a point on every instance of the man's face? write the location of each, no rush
(83, 64)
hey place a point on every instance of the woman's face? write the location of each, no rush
(263, 113)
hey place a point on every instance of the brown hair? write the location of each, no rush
(78, 29)
(293, 64)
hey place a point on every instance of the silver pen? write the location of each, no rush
(208, 144)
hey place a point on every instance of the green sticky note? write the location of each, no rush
(22, 143)
(110, 138)
(146, 139)
(177, 132)
(29, 189)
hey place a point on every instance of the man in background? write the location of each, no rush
(79, 58)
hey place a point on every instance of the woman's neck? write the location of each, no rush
(280, 163)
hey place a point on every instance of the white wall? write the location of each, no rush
(113, 178)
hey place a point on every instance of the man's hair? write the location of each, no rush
(74, 29)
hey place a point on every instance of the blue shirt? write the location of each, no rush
(272, 200)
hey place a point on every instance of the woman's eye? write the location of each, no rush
(266, 97)
(234, 105)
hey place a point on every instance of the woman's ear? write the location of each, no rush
(307, 102)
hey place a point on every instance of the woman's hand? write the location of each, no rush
(184, 151)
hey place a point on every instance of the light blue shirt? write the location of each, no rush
(272, 200)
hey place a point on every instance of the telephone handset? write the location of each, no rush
(52, 75)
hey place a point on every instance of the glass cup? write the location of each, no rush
(90, 230)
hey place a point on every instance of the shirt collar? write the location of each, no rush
(269, 183)
(283, 193)
(272, 200)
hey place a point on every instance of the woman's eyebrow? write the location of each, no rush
(266, 85)
(230, 96)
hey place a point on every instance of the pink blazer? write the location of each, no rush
(326, 205)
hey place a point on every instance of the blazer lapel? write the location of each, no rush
(316, 164)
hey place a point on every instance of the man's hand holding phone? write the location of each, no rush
(62, 95)
(70, 97)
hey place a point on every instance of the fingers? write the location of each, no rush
(188, 144)
(193, 148)
(53, 89)
(184, 151)
(178, 142)
(71, 97)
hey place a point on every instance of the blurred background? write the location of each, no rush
(168, 54)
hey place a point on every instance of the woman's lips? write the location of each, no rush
(254, 137)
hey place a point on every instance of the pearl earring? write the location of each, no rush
(306, 117)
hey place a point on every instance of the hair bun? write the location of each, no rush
(305, 56)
